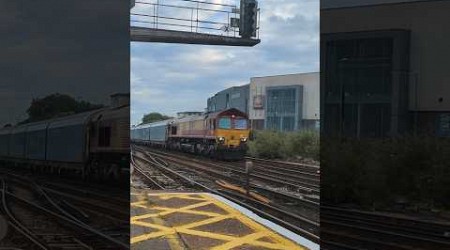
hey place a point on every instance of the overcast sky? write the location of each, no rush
(169, 78)
(68, 47)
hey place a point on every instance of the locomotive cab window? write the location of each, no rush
(225, 123)
(173, 130)
(240, 123)
(104, 136)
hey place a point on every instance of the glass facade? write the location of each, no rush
(283, 111)
(358, 97)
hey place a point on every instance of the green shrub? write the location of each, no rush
(378, 173)
(304, 144)
(267, 144)
(271, 144)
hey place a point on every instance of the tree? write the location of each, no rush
(56, 105)
(154, 117)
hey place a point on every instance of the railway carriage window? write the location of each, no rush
(224, 123)
(104, 138)
(240, 124)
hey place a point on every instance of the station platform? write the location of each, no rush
(177, 220)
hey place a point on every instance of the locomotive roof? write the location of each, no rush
(81, 118)
(59, 121)
(232, 111)
(112, 113)
(37, 126)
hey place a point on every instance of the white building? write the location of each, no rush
(285, 102)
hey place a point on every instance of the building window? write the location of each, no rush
(358, 88)
(281, 112)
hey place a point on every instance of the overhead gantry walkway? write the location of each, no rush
(142, 34)
(196, 22)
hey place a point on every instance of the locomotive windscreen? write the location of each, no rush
(240, 123)
(225, 123)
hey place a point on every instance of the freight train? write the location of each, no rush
(222, 134)
(93, 144)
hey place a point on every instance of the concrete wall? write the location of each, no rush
(311, 94)
(427, 21)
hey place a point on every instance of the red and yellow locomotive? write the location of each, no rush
(222, 134)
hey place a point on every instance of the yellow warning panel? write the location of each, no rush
(196, 221)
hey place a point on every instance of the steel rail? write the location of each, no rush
(141, 171)
(416, 232)
(265, 177)
(68, 220)
(16, 224)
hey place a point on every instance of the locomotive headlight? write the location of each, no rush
(244, 139)
(221, 139)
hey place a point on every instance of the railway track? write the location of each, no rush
(299, 202)
(192, 178)
(301, 174)
(284, 165)
(354, 229)
(298, 195)
(48, 219)
(276, 179)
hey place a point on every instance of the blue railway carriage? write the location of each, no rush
(154, 134)
(94, 142)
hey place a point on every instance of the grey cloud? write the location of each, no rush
(74, 47)
(290, 44)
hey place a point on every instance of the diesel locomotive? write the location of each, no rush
(93, 143)
(222, 134)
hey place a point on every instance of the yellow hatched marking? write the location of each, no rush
(174, 242)
(178, 196)
(230, 242)
(141, 204)
(258, 227)
(241, 241)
